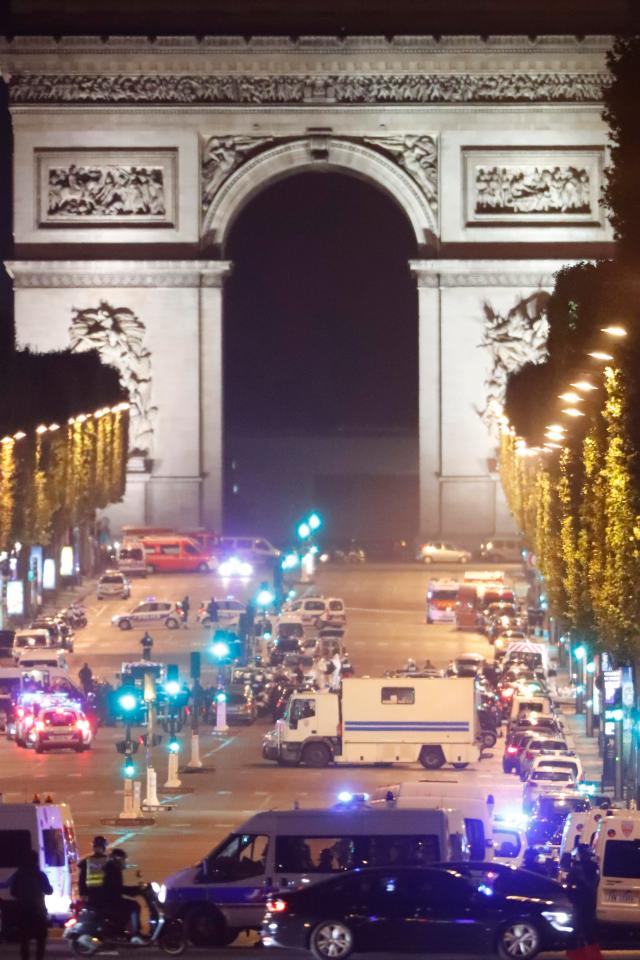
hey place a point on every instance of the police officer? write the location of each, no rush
(91, 875)
(146, 643)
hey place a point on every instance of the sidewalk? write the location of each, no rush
(574, 728)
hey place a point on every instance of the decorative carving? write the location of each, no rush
(105, 190)
(418, 156)
(369, 88)
(513, 340)
(220, 157)
(533, 185)
(532, 189)
(118, 335)
(102, 186)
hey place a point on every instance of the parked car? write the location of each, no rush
(42, 659)
(229, 610)
(61, 728)
(427, 910)
(546, 780)
(501, 550)
(31, 639)
(241, 706)
(113, 585)
(148, 612)
(443, 553)
(536, 745)
(60, 634)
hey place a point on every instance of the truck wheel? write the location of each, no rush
(488, 738)
(203, 568)
(431, 758)
(205, 927)
(316, 755)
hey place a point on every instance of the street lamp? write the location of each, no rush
(590, 669)
(572, 412)
(600, 355)
(580, 653)
(614, 330)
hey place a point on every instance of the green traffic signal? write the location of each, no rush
(129, 767)
(174, 745)
(128, 700)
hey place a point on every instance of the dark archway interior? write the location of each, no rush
(320, 356)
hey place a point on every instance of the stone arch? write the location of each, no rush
(318, 153)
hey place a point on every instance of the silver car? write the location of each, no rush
(113, 585)
(441, 552)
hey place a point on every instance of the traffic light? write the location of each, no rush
(220, 650)
(265, 596)
(304, 530)
(174, 745)
(129, 767)
(195, 664)
(128, 699)
(315, 521)
(172, 682)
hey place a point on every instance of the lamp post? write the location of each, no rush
(590, 670)
(580, 654)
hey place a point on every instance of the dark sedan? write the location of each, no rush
(462, 908)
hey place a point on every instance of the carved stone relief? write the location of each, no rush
(513, 340)
(106, 187)
(338, 88)
(220, 157)
(527, 185)
(118, 336)
(418, 156)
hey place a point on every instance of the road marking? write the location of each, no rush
(223, 793)
(225, 743)
(409, 613)
(256, 793)
(87, 793)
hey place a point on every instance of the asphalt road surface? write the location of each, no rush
(386, 625)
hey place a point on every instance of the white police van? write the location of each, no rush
(280, 849)
(47, 828)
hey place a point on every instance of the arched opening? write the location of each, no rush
(321, 361)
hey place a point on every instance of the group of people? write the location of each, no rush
(101, 885)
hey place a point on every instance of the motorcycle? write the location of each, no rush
(90, 931)
(75, 615)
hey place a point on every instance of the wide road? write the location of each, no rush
(386, 625)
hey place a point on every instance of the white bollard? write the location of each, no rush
(172, 774)
(195, 762)
(151, 799)
(128, 811)
(137, 795)
(221, 713)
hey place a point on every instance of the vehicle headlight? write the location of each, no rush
(161, 891)
(559, 920)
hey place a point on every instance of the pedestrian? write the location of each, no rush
(86, 679)
(146, 643)
(185, 606)
(212, 610)
(582, 887)
(29, 886)
(91, 874)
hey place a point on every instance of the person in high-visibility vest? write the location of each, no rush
(91, 875)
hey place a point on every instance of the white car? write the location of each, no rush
(335, 613)
(34, 640)
(113, 584)
(443, 553)
(559, 760)
(546, 780)
(148, 612)
(509, 844)
(41, 659)
(61, 727)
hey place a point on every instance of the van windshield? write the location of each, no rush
(131, 553)
(622, 859)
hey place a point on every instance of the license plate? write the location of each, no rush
(58, 736)
(619, 896)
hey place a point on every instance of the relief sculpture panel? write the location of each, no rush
(118, 336)
(106, 188)
(525, 186)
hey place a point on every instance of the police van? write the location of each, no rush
(617, 849)
(279, 849)
(48, 829)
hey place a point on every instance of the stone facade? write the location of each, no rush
(494, 149)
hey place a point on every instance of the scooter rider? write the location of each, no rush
(91, 874)
(118, 900)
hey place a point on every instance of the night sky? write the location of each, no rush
(321, 310)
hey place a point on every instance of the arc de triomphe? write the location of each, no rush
(132, 158)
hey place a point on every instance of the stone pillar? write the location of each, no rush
(429, 398)
(211, 395)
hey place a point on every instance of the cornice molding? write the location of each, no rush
(117, 273)
(537, 274)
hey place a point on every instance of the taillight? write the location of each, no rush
(82, 724)
(512, 749)
(277, 905)
(20, 711)
(39, 725)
